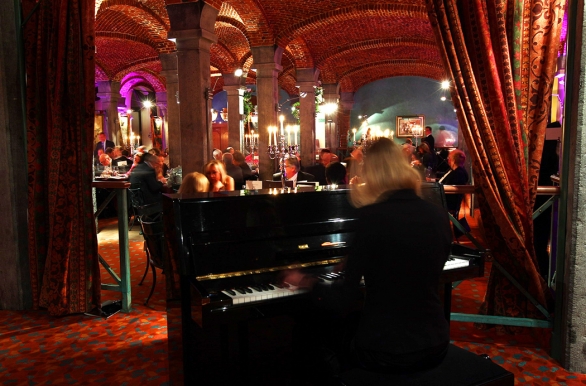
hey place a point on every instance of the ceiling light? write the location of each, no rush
(443, 98)
(147, 104)
(238, 72)
(446, 84)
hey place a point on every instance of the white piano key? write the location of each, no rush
(454, 262)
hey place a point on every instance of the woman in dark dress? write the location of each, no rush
(402, 326)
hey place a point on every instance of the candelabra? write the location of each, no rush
(251, 141)
(281, 149)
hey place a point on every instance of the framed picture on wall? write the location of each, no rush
(410, 126)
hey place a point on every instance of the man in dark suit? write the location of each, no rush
(148, 176)
(233, 171)
(429, 139)
(102, 145)
(293, 173)
(319, 170)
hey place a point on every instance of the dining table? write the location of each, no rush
(118, 186)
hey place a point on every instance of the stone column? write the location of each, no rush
(109, 93)
(161, 104)
(173, 129)
(15, 286)
(346, 105)
(235, 91)
(192, 27)
(307, 81)
(331, 96)
(267, 63)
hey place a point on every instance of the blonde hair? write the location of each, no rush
(385, 169)
(219, 165)
(194, 183)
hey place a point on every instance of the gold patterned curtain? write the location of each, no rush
(59, 60)
(501, 57)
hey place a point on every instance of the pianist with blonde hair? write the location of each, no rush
(400, 247)
(194, 183)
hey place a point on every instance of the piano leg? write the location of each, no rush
(243, 345)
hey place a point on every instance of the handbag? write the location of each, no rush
(465, 225)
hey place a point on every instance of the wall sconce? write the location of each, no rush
(224, 114)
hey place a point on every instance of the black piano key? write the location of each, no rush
(230, 292)
(271, 287)
(265, 287)
(256, 288)
(247, 290)
(240, 291)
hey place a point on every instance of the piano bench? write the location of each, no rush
(459, 368)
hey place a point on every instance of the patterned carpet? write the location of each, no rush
(131, 349)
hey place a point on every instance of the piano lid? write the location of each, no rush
(228, 232)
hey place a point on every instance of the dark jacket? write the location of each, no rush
(100, 146)
(236, 173)
(150, 187)
(458, 176)
(402, 315)
(319, 173)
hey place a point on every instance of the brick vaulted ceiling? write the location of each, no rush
(351, 43)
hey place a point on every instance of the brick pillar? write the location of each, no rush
(267, 63)
(307, 81)
(173, 129)
(331, 96)
(192, 27)
(109, 93)
(235, 91)
(346, 105)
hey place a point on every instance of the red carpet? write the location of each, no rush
(131, 349)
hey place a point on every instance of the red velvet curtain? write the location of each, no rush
(501, 57)
(59, 60)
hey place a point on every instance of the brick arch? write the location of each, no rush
(150, 66)
(333, 69)
(157, 9)
(298, 49)
(341, 15)
(141, 78)
(113, 55)
(100, 74)
(235, 23)
(259, 31)
(122, 17)
(336, 53)
(233, 40)
(223, 58)
(360, 76)
(288, 81)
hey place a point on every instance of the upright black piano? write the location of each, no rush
(226, 251)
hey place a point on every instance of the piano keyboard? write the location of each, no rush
(257, 293)
(454, 262)
(263, 292)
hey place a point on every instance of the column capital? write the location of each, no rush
(169, 65)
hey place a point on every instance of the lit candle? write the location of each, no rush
(282, 118)
(270, 129)
(288, 135)
(275, 134)
(296, 134)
